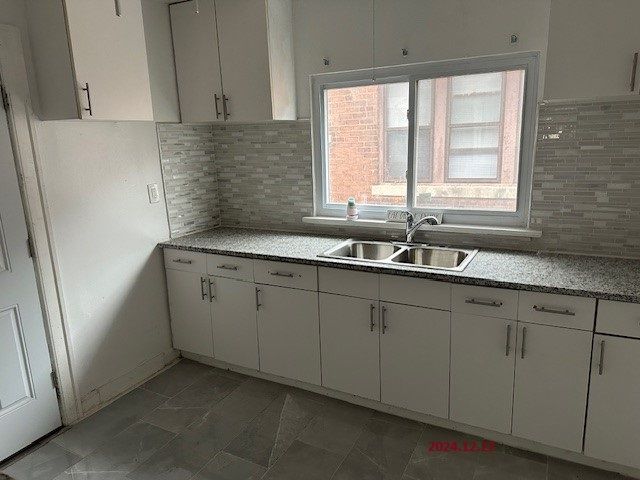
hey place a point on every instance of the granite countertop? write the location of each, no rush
(598, 277)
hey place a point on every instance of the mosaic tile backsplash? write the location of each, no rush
(586, 182)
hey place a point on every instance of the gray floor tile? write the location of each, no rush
(561, 470)
(260, 388)
(229, 467)
(92, 476)
(125, 451)
(43, 463)
(405, 422)
(302, 461)
(177, 378)
(178, 460)
(204, 392)
(274, 430)
(175, 419)
(513, 464)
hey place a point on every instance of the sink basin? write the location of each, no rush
(412, 254)
(363, 250)
(434, 257)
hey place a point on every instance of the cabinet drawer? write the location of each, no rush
(183, 260)
(348, 282)
(618, 318)
(284, 274)
(415, 291)
(557, 310)
(230, 267)
(485, 301)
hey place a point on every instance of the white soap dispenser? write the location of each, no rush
(352, 210)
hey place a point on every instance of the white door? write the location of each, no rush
(551, 383)
(482, 369)
(190, 312)
(350, 345)
(110, 55)
(244, 57)
(613, 418)
(28, 403)
(233, 311)
(414, 358)
(195, 46)
(288, 334)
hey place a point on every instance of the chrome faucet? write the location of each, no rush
(412, 226)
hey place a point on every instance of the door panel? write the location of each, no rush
(350, 345)
(28, 403)
(235, 332)
(551, 383)
(414, 358)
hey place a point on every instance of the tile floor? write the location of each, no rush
(201, 423)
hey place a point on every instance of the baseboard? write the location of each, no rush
(505, 439)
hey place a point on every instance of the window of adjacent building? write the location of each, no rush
(458, 143)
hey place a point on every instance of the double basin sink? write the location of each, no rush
(410, 254)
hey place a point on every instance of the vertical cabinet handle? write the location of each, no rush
(601, 363)
(118, 8)
(211, 295)
(524, 339)
(217, 99)
(202, 292)
(507, 347)
(372, 322)
(634, 69)
(86, 89)
(225, 109)
(258, 304)
(384, 320)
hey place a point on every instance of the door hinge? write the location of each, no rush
(31, 247)
(54, 382)
(5, 97)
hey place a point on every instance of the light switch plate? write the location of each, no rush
(154, 193)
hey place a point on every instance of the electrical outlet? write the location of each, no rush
(154, 193)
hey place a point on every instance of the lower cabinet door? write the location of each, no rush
(613, 418)
(482, 369)
(551, 384)
(288, 333)
(189, 308)
(235, 332)
(414, 358)
(350, 345)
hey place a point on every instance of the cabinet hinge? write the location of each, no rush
(5, 97)
(31, 247)
(54, 382)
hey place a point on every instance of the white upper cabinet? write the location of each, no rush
(91, 60)
(234, 60)
(591, 48)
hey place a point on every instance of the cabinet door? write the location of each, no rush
(110, 55)
(613, 419)
(482, 368)
(288, 333)
(551, 383)
(350, 344)
(189, 308)
(233, 312)
(414, 358)
(195, 47)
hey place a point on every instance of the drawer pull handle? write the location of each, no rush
(524, 339)
(258, 304)
(554, 311)
(384, 320)
(202, 292)
(508, 344)
(372, 322)
(211, 295)
(601, 363)
(227, 267)
(180, 260)
(484, 303)
(281, 274)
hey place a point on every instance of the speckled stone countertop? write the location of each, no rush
(599, 277)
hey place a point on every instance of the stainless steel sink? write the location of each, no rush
(415, 255)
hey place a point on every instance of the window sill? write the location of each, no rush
(447, 228)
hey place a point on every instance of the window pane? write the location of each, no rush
(473, 165)
(475, 137)
(366, 136)
(476, 108)
(482, 83)
(425, 102)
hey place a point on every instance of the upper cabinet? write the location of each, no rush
(234, 60)
(91, 60)
(591, 48)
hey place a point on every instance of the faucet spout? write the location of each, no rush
(413, 226)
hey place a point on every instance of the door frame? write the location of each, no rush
(22, 130)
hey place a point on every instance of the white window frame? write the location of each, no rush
(412, 73)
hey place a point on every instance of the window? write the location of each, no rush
(454, 137)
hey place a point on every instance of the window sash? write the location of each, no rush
(527, 61)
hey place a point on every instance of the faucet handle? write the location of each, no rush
(409, 217)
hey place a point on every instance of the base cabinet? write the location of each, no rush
(288, 333)
(414, 358)
(482, 369)
(234, 316)
(349, 331)
(551, 384)
(613, 418)
(190, 316)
